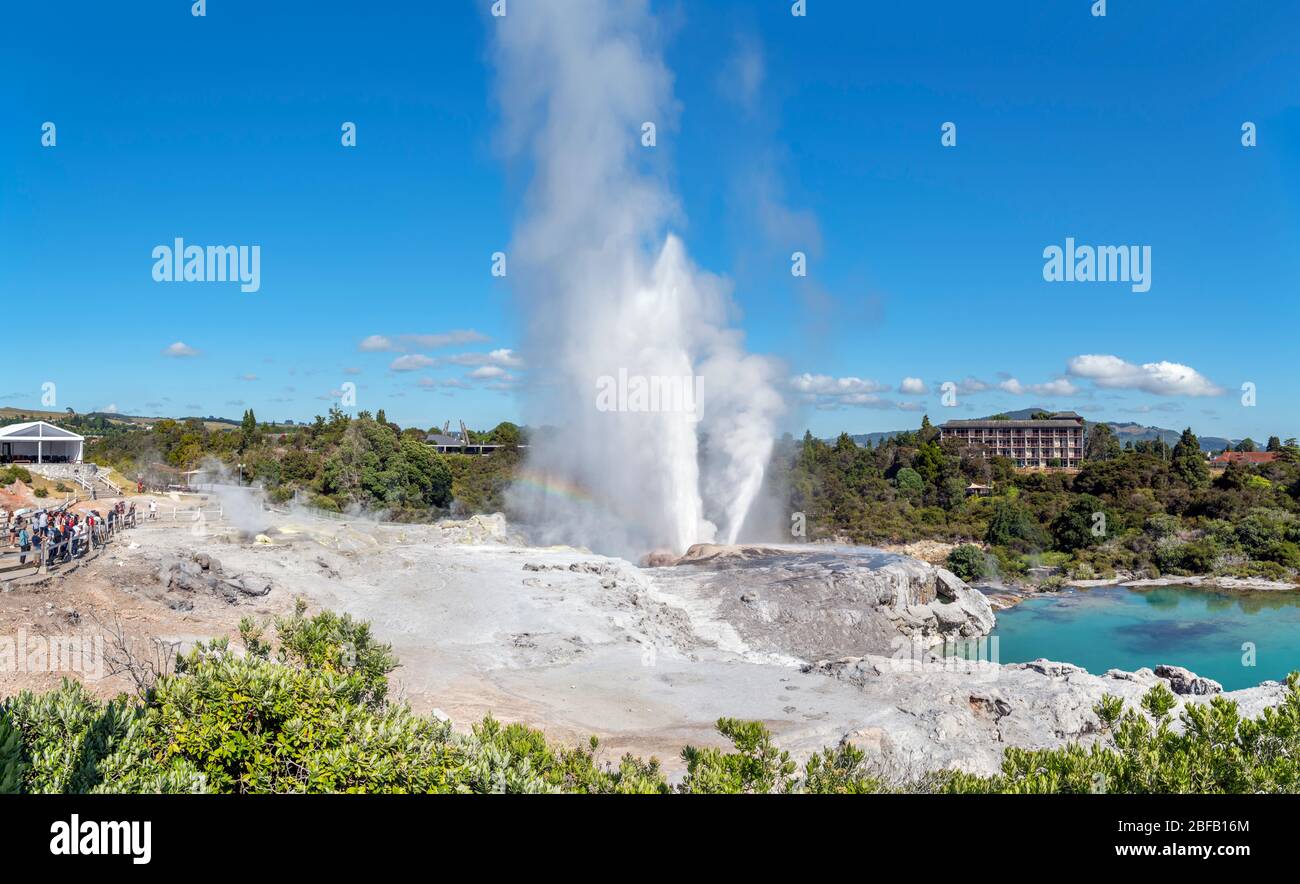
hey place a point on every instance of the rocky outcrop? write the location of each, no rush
(815, 602)
(201, 573)
(1184, 681)
(934, 713)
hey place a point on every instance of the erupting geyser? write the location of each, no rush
(611, 298)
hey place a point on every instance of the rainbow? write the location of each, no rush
(553, 485)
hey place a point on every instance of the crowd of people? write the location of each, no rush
(52, 536)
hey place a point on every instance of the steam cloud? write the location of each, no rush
(604, 288)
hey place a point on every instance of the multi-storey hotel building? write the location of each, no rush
(1056, 441)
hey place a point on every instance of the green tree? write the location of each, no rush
(1102, 444)
(968, 562)
(1013, 525)
(929, 463)
(909, 482)
(1188, 462)
(507, 434)
(247, 430)
(1247, 444)
(1084, 523)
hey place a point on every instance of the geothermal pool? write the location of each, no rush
(1122, 628)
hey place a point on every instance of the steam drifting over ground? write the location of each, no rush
(608, 293)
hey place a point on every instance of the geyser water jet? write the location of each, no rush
(606, 290)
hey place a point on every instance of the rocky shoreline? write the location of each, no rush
(1002, 596)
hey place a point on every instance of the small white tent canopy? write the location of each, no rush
(40, 442)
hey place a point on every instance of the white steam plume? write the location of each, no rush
(607, 291)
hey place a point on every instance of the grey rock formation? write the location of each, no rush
(1184, 681)
(815, 602)
(201, 573)
(947, 713)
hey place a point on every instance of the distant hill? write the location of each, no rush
(1127, 431)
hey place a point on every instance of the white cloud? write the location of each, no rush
(248, 377)
(505, 358)
(828, 393)
(1158, 378)
(110, 408)
(180, 350)
(1057, 387)
(486, 372)
(825, 385)
(404, 343)
(913, 387)
(411, 362)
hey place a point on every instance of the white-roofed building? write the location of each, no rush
(39, 442)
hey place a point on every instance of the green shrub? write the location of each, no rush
(1084, 523)
(1013, 525)
(11, 761)
(840, 771)
(15, 473)
(73, 743)
(1282, 552)
(756, 767)
(1009, 563)
(968, 562)
(1216, 751)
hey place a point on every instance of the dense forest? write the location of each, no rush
(1148, 507)
(334, 463)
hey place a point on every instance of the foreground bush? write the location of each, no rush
(308, 712)
(1217, 752)
(968, 562)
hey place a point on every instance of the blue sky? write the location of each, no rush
(819, 134)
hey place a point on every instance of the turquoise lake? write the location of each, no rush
(1121, 628)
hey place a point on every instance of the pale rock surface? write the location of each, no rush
(823, 644)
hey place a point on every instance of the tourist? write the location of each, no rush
(153, 508)
(55, 549)
(24, 542)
